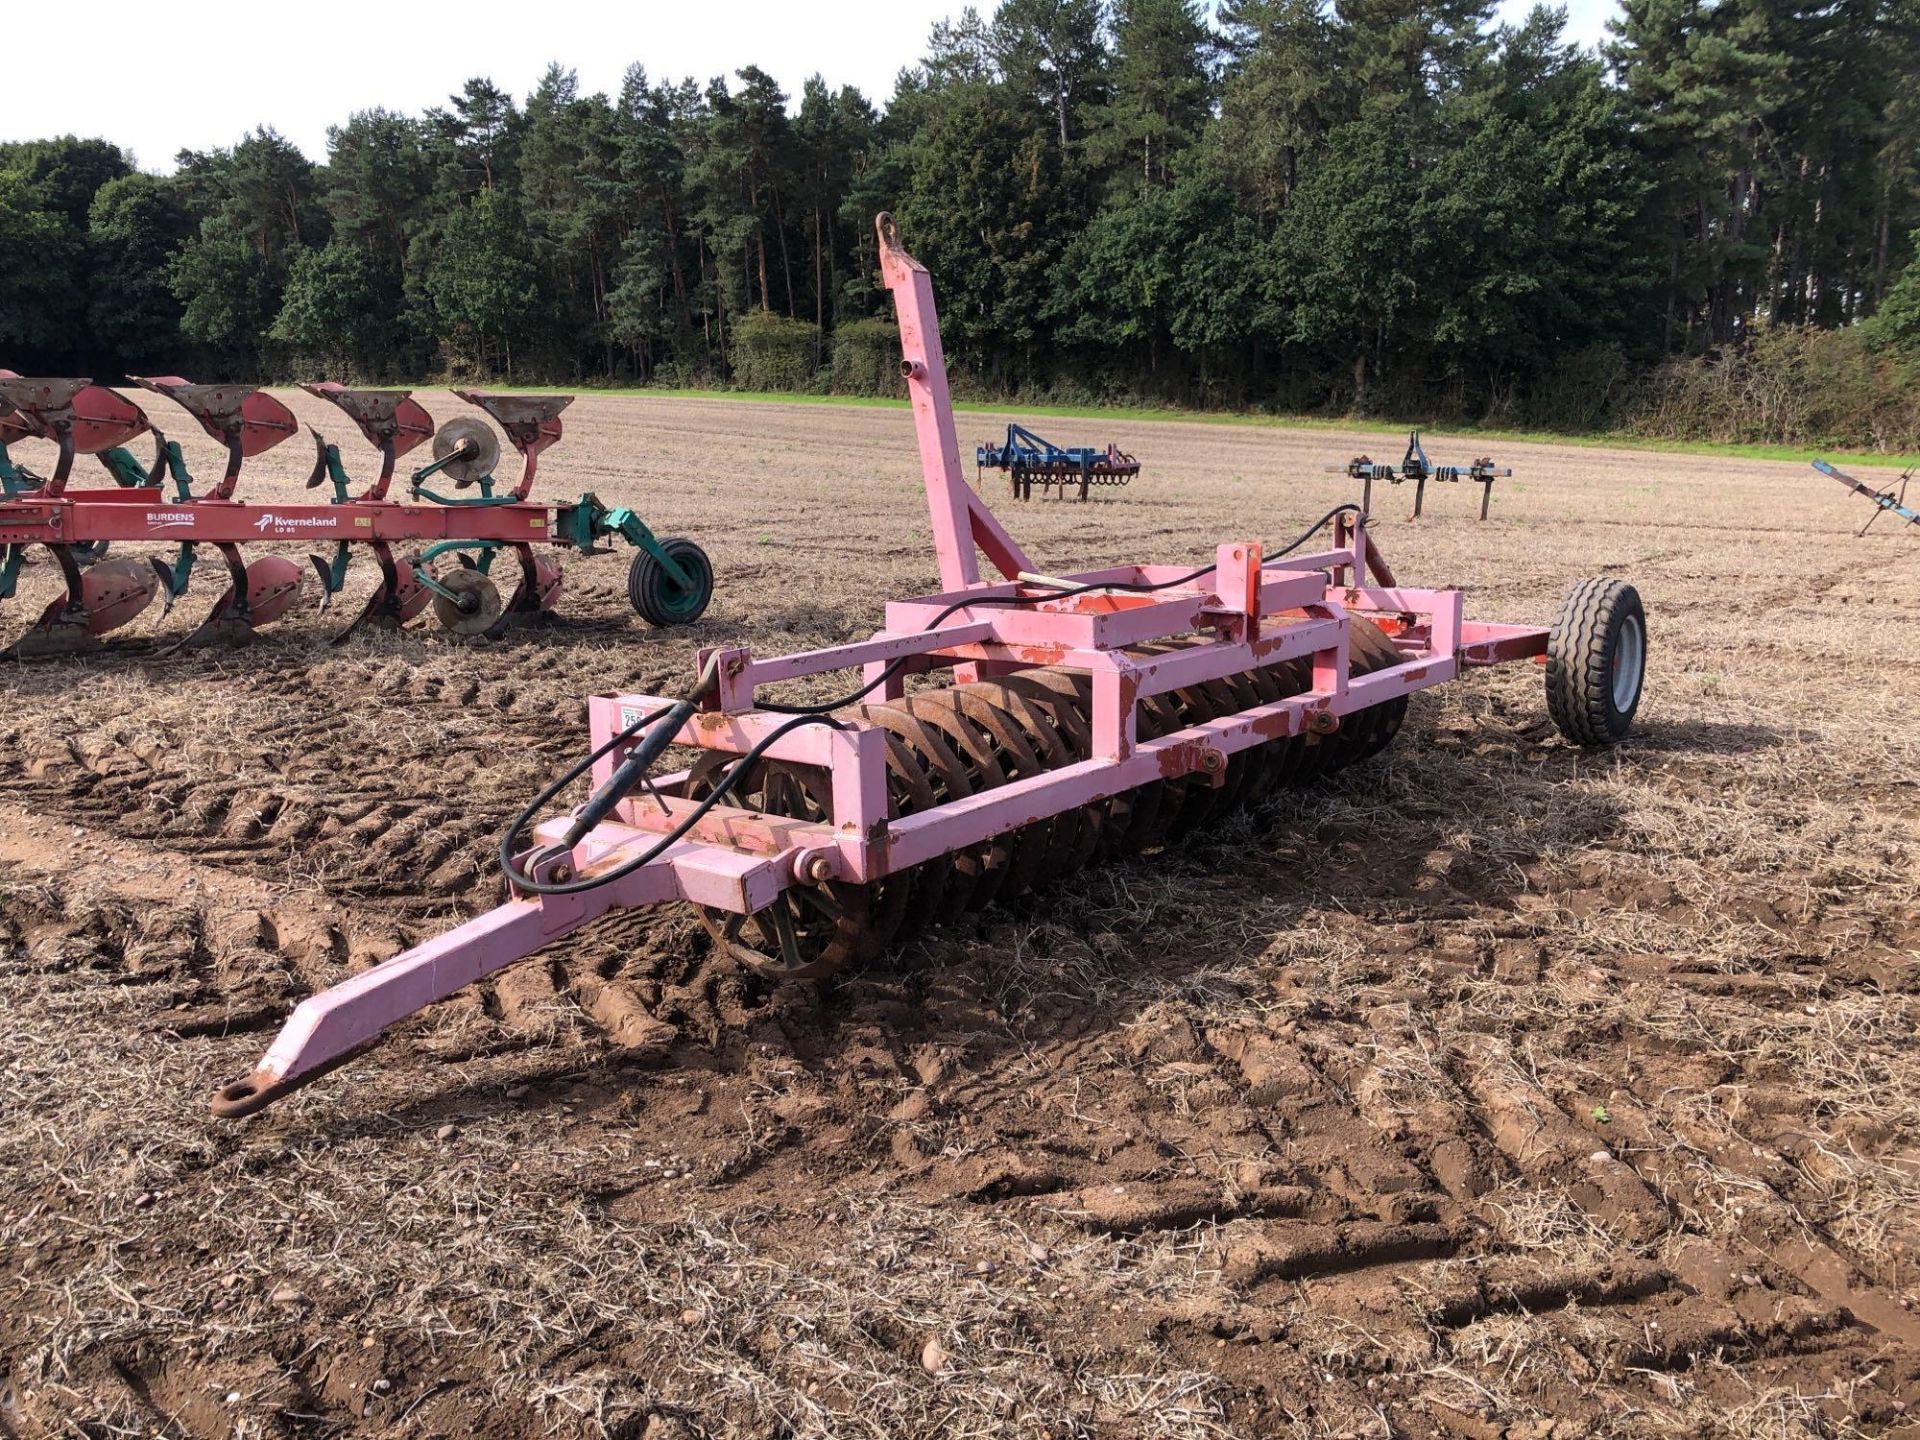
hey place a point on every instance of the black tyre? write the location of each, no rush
(1597, 661)
(659, 599)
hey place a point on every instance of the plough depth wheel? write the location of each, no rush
(659, 598)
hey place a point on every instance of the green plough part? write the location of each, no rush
(174, 577)
(177, 468)
(15, 479)
(589, 521)
(128, 473)
(485, 482)
(333, 573)
(337, 475)
(486, 549)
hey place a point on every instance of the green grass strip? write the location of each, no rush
(1373, 425)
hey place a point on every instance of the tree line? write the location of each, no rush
(1373, 206)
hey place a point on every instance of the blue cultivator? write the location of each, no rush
(1882, 499)
(1415, 466)
(1027, 458)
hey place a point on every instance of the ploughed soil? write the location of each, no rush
(1493, 1088)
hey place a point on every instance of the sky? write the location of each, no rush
(159, 84)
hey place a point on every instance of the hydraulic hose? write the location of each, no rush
(664, 725)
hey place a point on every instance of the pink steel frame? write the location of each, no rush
(741, 860)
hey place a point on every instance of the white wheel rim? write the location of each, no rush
(1629, 659)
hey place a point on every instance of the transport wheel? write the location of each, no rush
(657, 597)
(474, 610)
(1597, 661)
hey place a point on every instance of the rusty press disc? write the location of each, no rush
(473, 446)
(475, 608)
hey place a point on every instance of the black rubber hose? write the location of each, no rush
(606, 797)
(1061, 592)
(634, 767)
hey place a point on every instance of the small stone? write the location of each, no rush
(933, 1356)
(382, 1385)
(229, 1281)
(1037, 1253)
(1601, 1157)
(143, 1200)
(445, 1132)
(516, 1092)
(669, 1174)
(233, 1397)
(691, 1317)
(985, 1267)
(286, 1295)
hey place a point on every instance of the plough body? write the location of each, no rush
(669, 582)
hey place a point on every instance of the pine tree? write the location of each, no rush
(1050, 53)
(1161, 91)
(1279, 96)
